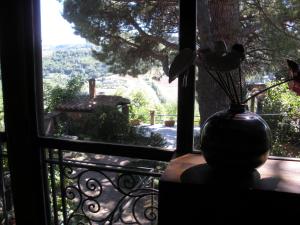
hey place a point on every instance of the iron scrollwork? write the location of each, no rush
(95, 196)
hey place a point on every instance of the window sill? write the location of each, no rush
(277, 174)
(197, 198)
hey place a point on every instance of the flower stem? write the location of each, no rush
(219, 83)
(229, 88)
(241, 87)
(234, 88)
(226, 88)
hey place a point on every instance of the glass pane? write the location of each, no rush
(269, 32)
(104, 71)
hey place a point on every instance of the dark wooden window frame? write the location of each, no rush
(21, 77)
(186, 98)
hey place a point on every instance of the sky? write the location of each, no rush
(55, 29)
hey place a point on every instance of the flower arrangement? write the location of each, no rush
(235, 139)
(224, 67)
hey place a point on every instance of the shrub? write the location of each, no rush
(284, 126)
(106, 123)
(139, 107)
(109, 125)
(57, 95)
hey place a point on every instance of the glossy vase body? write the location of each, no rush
(235, 139)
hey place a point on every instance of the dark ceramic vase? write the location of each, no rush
(236, 140)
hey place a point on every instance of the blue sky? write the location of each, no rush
(56, 30)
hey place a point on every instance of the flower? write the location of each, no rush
(224, 67)
(294, 73)
(220, 59)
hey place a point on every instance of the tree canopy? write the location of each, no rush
(72, 61)
(134, 35)
(270, 33)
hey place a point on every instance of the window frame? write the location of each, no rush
(185, 115)
(22, 90)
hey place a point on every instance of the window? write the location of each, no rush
(269, 36)
(108, 82)
(106, 98)
(56, 160)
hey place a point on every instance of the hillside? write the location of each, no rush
(62, 62)
(71, 60)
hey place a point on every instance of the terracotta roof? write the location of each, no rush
(85, 104)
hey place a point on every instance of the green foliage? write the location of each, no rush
(271, 29)
(72, 61)
(171, 109)
(285, 126)
(139, 107)
(58, 94)
(135, 35)
(129, 44)
(281, 99)
(109, 125)
(106, 123)
(132, 44)
(159, 109)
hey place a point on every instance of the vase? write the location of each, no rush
(236, 140)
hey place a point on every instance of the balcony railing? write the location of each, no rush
(6, 204)
(101, 189)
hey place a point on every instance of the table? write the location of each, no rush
(189, 194)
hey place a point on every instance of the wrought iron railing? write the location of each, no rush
(100, 189)
(6, 204)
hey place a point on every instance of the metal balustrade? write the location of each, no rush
(7, 216)
(101, 189)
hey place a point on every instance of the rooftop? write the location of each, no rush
(87, 104)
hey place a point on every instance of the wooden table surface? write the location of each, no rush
(189, 194)
(276, 175)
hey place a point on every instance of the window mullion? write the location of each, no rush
(186, 93)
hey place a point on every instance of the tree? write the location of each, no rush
(285, 123)
(223, 25)
(139, 106)
(57, 95)
(270, 30)
(134, 35)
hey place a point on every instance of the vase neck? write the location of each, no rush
(238, 108)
